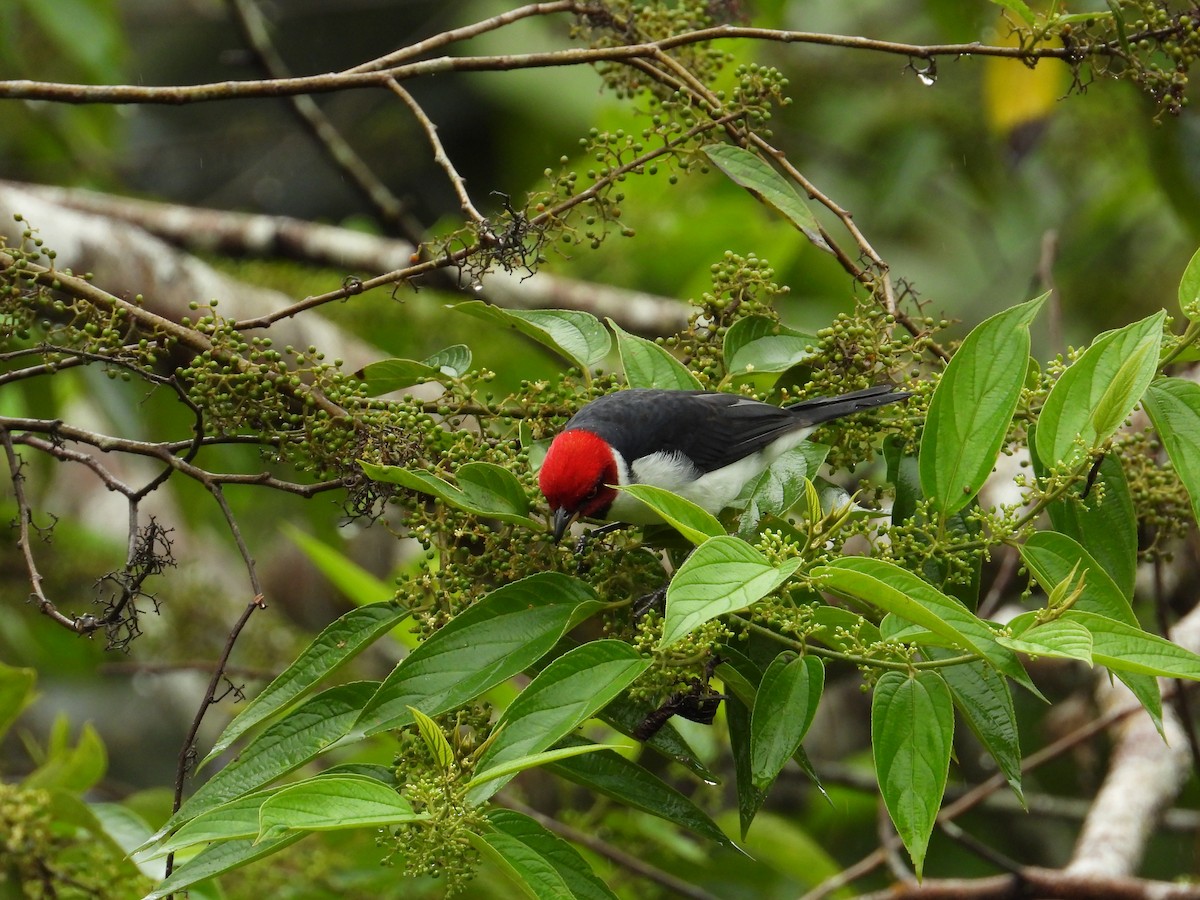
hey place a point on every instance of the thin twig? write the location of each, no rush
(439, 154)
(388, 207)
(187, 753)
(176, 95)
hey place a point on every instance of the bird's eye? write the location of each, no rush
(595, 492)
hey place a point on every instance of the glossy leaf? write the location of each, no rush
(783, 711)
(723, 575)
(484, 489)
(1126, 648)
(973, 406)
(1174, 407)
(452, 361)
(336, 645)
(759, 344)
(625, 781)
(647, 365)
(218, 859)
(1105, 522)
(898, 591)
(912, 735)
(389, 375)
(334, 803)
(693, 522)
(570, 690)
(758, 177)
(985, 702)
(229, 821)
(572, 868)
(431, 734)
(1053, 557)
(1096, 394)
(626, 714)
(576, 336)
(525, 867)
(515, 766)
(300, 736)
(500, 636)
(1060, 638)
(750, 797)
(780, 486)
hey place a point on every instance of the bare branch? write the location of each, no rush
(176, 95)
(388, 207)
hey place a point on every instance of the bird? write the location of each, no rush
(702, 445)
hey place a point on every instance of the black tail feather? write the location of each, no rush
(825, 409)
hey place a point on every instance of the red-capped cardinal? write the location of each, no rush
(701, 445)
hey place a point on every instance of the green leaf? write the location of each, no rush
(336, 645)
(898, 591)
(334, 803)
(229, 821)
(89, 826)
(572, 868)
(783, 711)
(758, 177)
(16, 693)
(986, 704)
(1059, 638)
(533, 760)
(780, 486)
(723, 575)
(759, 344)
(453, 361)
(1126, 648)
(912, 734)
(72, 769)
(1096, 394)
(626, 715)
(431, 734)
(529, 870)
(1020, 8)
(485, 489)
(1104, 522)
(1174, 407)
(973, 406)
(570, 690)
(300, 736)
(576, 336)
(358, 585)
(218, 859)
(1053, 557)
(620, 779)
(1189, 288)
(750, 797)
(389, 375)
(648, 365)
(500, 636)
(693, 522)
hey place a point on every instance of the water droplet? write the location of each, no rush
(477, 287)
(927, 79)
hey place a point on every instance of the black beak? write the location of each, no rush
(562, 520)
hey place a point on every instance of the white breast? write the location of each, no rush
(713, 491)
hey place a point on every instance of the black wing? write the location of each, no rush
(712, 429)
